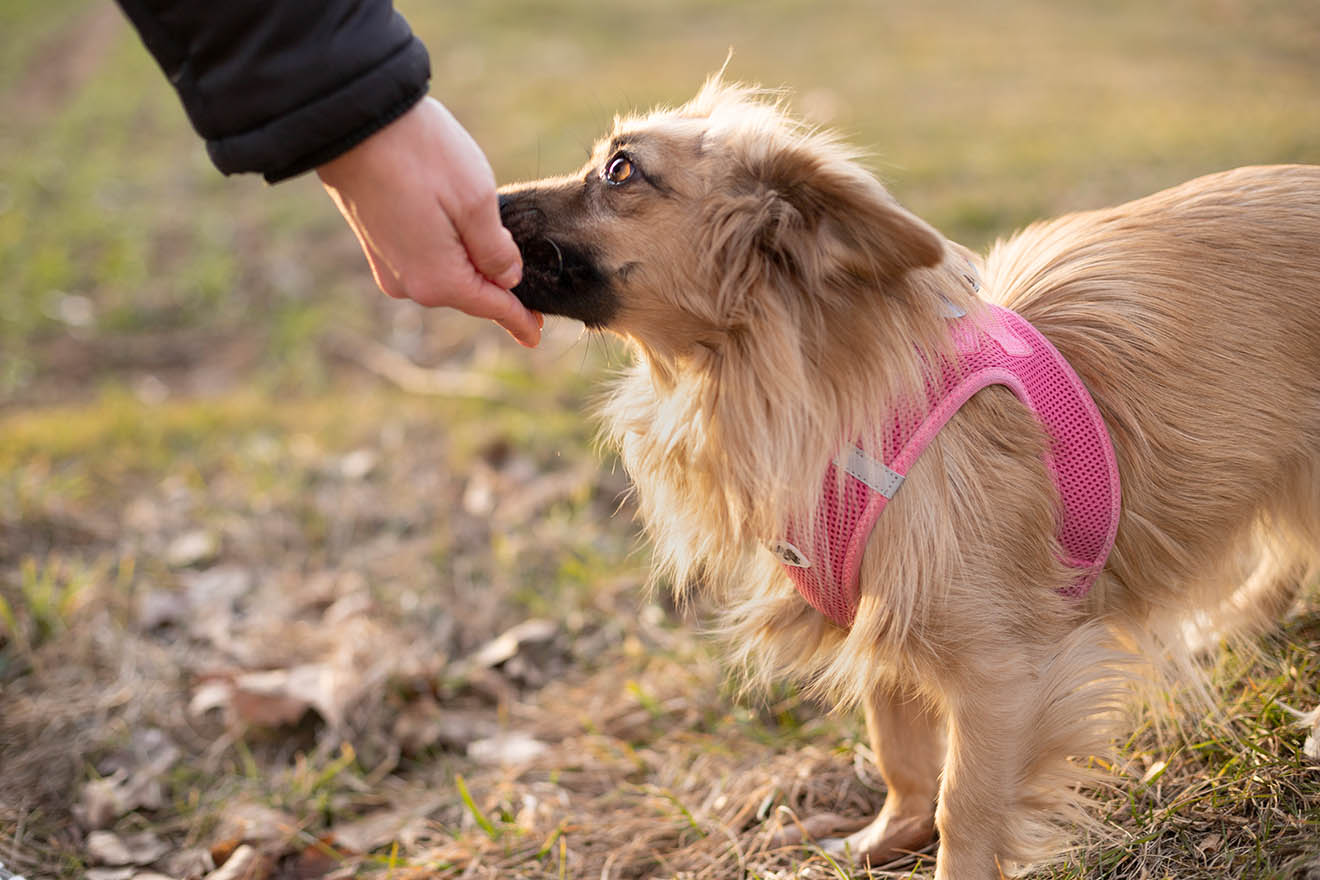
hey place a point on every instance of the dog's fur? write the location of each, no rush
(780, 302)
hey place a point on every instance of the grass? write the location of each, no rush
(181, 366)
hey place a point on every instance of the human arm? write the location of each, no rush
(279, 88)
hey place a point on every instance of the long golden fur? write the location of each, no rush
(780, 302)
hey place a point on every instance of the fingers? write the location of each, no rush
(503, 308)
(421, 198)
(488, 244)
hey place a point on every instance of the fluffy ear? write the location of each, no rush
(827, 217)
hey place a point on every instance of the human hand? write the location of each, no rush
(420, 196)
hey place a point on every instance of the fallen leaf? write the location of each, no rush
(313, 863)
(509, 748)
(507, 644)
(270, 698)
(191, 862)
(221, 850)
(216, 588)
(109, 874)
(424, 724)
(212, 694)
(247, 822)
(156, 608)
(479, 494)
(108, 848)
(275, 697)
(1153, 771)
(245, 864)
(135, 783)
(403, 822)
(358, 464)
(192, 549)
(347, 607)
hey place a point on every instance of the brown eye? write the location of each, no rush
(619, 169)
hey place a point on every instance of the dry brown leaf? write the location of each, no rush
(221, 850)
(134, 784)
(247, 822)
(424, 724)
(403, 824)
(192, 549)
(102, 801)
(245, 864)
(275, 697)
(506, 645)
(314, 862)
(508, 748)
(191, 862)
(113, 850)
(157, 608)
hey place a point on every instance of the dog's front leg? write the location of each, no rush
(979, 790)
(907, 737)
(1016, 718)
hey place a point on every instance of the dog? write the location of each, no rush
(779, 303)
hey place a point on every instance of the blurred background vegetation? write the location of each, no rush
(198, 376)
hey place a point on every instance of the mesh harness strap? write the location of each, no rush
(997, 347)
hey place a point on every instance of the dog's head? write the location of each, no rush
(688, 227)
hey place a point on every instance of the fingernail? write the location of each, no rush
(510, 278)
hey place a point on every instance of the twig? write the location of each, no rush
(393, 367)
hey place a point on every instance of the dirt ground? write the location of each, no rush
(298, 582)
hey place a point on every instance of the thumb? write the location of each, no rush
(490, 246)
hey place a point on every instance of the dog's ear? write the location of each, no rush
(829, 218)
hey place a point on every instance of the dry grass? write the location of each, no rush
(259, 604)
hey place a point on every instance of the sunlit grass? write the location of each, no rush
(171, 360)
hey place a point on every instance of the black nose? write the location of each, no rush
(519, 213)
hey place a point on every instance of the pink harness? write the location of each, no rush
(1001, 348)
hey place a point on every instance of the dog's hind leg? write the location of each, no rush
(907, 737)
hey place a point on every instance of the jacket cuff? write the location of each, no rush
(330, 125)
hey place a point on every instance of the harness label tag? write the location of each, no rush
(790, 555)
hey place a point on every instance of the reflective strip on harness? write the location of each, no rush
(995, 347)
(874, 474)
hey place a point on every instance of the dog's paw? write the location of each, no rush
(882, 841)
(813, 829)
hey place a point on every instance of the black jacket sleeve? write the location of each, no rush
(281, 86)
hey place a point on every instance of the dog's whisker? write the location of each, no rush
(559, 255)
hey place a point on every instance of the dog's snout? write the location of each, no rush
(562, 272)
(519, 209)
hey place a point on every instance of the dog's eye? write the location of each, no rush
(619, 169)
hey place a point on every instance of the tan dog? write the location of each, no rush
(777, 298)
